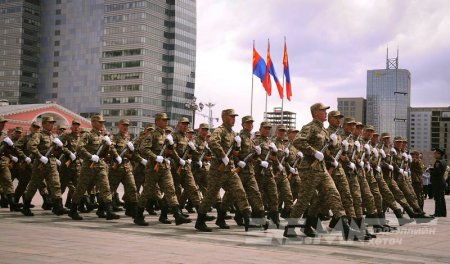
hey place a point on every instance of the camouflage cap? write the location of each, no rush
(204, 125)
(98, 118)
(257, 134)
(291, 130)
(36, 124)
(281, 127)
(2, 119)
(48, 119)
(229, 112)
(318, 106)
(369, 127)
(169, 129)
(265, 124)
(124, 121)
(359, 124)
(335, 113)
(18, 129)
(376, 134)
(398, 139)
(404, 139)
(247, 119)
(61, 127)
(414, 152)
(76, 122)
(385, 135)
(150, 127)
(190, 130)
(349, 120)
(162, 116)
(184, 120)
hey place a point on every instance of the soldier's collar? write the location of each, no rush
(160, 130)
(95, 130)
(227, 126)
(320, 123)
(244, 132)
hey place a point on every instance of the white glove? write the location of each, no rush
(352, 166)
(192, 145)
(27, 160)
(383, 154)
(189, 161)
(273, 147)
(225, 160)
(264, 164)
(159, 159)
(405, 156)
(169, 139)
(375, 152)
(401, 171)
(43, 159)
(280, 167)
(286, 152)
(182, 162)
(367, 148)
(292, 170)
(241, 164)
(368, 167)
(358, 146)
(238, 141)
(361, 164)
(130, 146)
(119, 160)
(345, 144)
(57, 142)
(319, 155)
(258, 150)
(378, 169)
(14, 159)
(391, 168)
(167, 161)
(58, 162)
(410, 158)
(334, 139)
(72, 156)
(335, 163)
(300, 155)
(8, 141)
(405, 173)
(144, 162)
(107, 140)
(95, 158)
(393, 151)
(200, 163)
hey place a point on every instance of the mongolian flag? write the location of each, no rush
(259, 65)
(270, 70)
(286, 73)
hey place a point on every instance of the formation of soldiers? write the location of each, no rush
(347, 168)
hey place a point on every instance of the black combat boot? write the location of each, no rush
(361, 226)
(248, 221)
(47, 204)
(150, 207)
(285, 213)
(308, 230)
(101, 213)
(200, 224)
(3, 201)
(130, 209)
(26, 208)
(317, 225)
(13, 207)
(110, 215)
(164, 210)
(73, 213)
(69, 199)
(274, 216)
(190, 207)
(401, 221)
(179, 218)
(94, 200)
(116, 203)
(58, 208)
(238, 218)
(348, 233)
(289, 229)
(220, 222)
(89, 206)
(384, 223)
(139, 218)
(373, 220)
(421, 217)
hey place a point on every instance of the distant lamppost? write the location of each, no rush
(193, 106)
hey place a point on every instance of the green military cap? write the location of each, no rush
(2, 119)
(98, 118)
(438, 150)
(281, 127)
(229, 112)
(376, 134)
(162, 116)
(398, 139)
(204, 125)
(349, 120)
(36, 124)
(318, 106)
(169, 129)
(257, 134)
(18, 129)
(76, 122)
(335, 113)
(265, 124)
(48, 119)
(124, 121)
(385, 135)
(404, 139)
(184, 120)
(415, 152)
(359, 124)
(369, 127)
(190, 130)
(61, 126)
(150, 127)
(293, 130)
(247, 119)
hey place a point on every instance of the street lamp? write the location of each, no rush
(193, 106)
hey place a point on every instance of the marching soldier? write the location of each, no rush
(292, 163)
(417, 170)
(6, 148)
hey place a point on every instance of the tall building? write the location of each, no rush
(353, 106)
(20, 23)
(289, 118)
(389, 98)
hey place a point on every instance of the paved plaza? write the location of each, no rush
(46, 238)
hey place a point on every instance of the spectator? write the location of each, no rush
(438, 182)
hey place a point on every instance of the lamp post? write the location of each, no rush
(193, 106)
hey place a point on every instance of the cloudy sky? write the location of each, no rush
(331, 46)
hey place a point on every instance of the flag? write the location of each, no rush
(259, 65)
(267, 83)
(270, 70)
(286, 73)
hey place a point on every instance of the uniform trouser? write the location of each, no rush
(368, 200)
(313, 180)
(123, 174)
(268, 189)
(295, 182)
(23, 177)
(227, 180)
(342, 184)
(98, 175)
(355, 190)
(418, 189)
(395, 189)
(284, 190)
(439, 199)
(41, 171)
(69, 177)
(139, 176)
(373, 185)
(5, 177)
(251, 189)
(190, 189)
(163, 179)
(388, 197)
(410, 196)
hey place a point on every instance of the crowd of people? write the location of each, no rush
(348, 169)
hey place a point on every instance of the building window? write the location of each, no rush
(58, 2)
(57, 22)
(55, 74)
(56, 64)
(55, 85)
(56, 43)
(57, 32)
(58, 11)
(56, 53)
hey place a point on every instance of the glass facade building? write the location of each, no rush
(389, 100)
(354, 107)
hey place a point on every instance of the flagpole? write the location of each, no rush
(251, 100)
(265, 113)
(282, 98)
